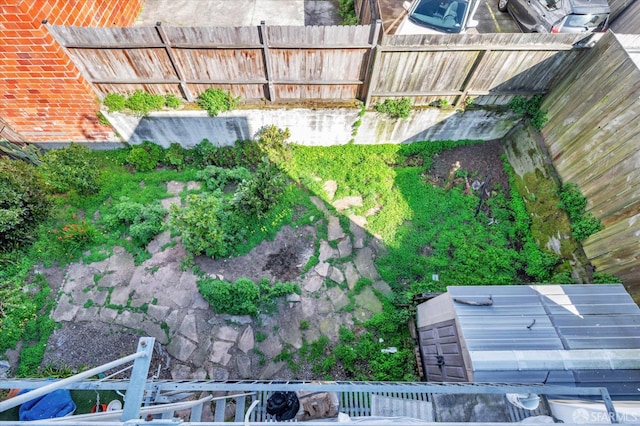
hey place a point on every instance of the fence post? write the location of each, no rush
(372, 69)
(262, 29)
(465, 84)
(174, 63)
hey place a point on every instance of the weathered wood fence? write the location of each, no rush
(319, 64)
(592, 137)
(626, 19)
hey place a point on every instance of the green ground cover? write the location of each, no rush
(96, 200)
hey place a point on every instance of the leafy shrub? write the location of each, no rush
(239, 298)
(243, 297)
(71, 169)
(143, 222)
(143, 102)
(243, 153)
(216, 101)
(202, 226)
(23, 202)
(74, 237)
(115, 102)
(395, 108)
(215, 178)
(175, 156)
(172, 101)
(531, 109)
(604, 278)
(256, 196)
(583, 223)
(273, 142)
(347, 12)
(145, 157)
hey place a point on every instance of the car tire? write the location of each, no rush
(502, 5)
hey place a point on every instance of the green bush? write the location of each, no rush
(531, 109)
(239, 298)
(256, 196)
(273, 142)
(175, 156)
(202, 226)
(72, 238)
(215, 178)
(71, 169)
(115, 102)
(216, 101)
(172, 101)
(243, 297)
(24, 203)
(583, 223)
(395, 108)
(347, 12)
(143, 222)
(146, 156)
(143, 103)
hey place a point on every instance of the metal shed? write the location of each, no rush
(574, 335)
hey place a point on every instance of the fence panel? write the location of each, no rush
(452, 67)
(592, 137)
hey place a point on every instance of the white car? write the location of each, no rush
(438, 16)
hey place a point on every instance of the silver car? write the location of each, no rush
(438, 16)
(558, 16)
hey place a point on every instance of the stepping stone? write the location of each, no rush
(326, 251)
(338, 298)
(271, 347)
(220, 352)
(227, 333)
(344, 247)
(308, 306)
(322, 269)
(199, 374)
(324, 306)
(291, 336)
(218, 373)
(313, 283)
(65, 311)
(383, 288)
(89, 314)
(181, 348)
(271, 370)
(168, 202)
(243, 362)
(181, 372)
(335, 231)
(172, 321)
(247, 340)
(320, 205)
(351, 274)
(348, 202)
(336, 275)
(156, 244)
(201, 354)
(330, 187)
(357, 228)
(364, 264)
(188, 328)
(174, 187)
(368, 300)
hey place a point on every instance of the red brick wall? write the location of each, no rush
(42, 94)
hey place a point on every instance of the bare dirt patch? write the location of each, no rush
(480, 162)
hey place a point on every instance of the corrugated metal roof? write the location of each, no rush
(547, 317)
(543, 318)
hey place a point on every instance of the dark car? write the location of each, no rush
(558, 16)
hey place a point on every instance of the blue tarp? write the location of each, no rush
(54, 404)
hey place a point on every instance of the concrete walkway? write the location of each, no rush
(237, 13)
(160, 299)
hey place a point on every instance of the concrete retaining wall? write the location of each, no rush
(315, 127)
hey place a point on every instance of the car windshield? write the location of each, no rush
(441, 15)
(588, 22)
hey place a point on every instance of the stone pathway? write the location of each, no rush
(160, 299)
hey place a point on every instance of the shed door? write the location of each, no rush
(441, 354)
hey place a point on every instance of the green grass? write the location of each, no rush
(426, 229)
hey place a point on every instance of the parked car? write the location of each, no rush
(558, 16)
(438, 16)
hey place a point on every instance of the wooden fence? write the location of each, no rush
(627, 19)
(319, 64)
(592, 137)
